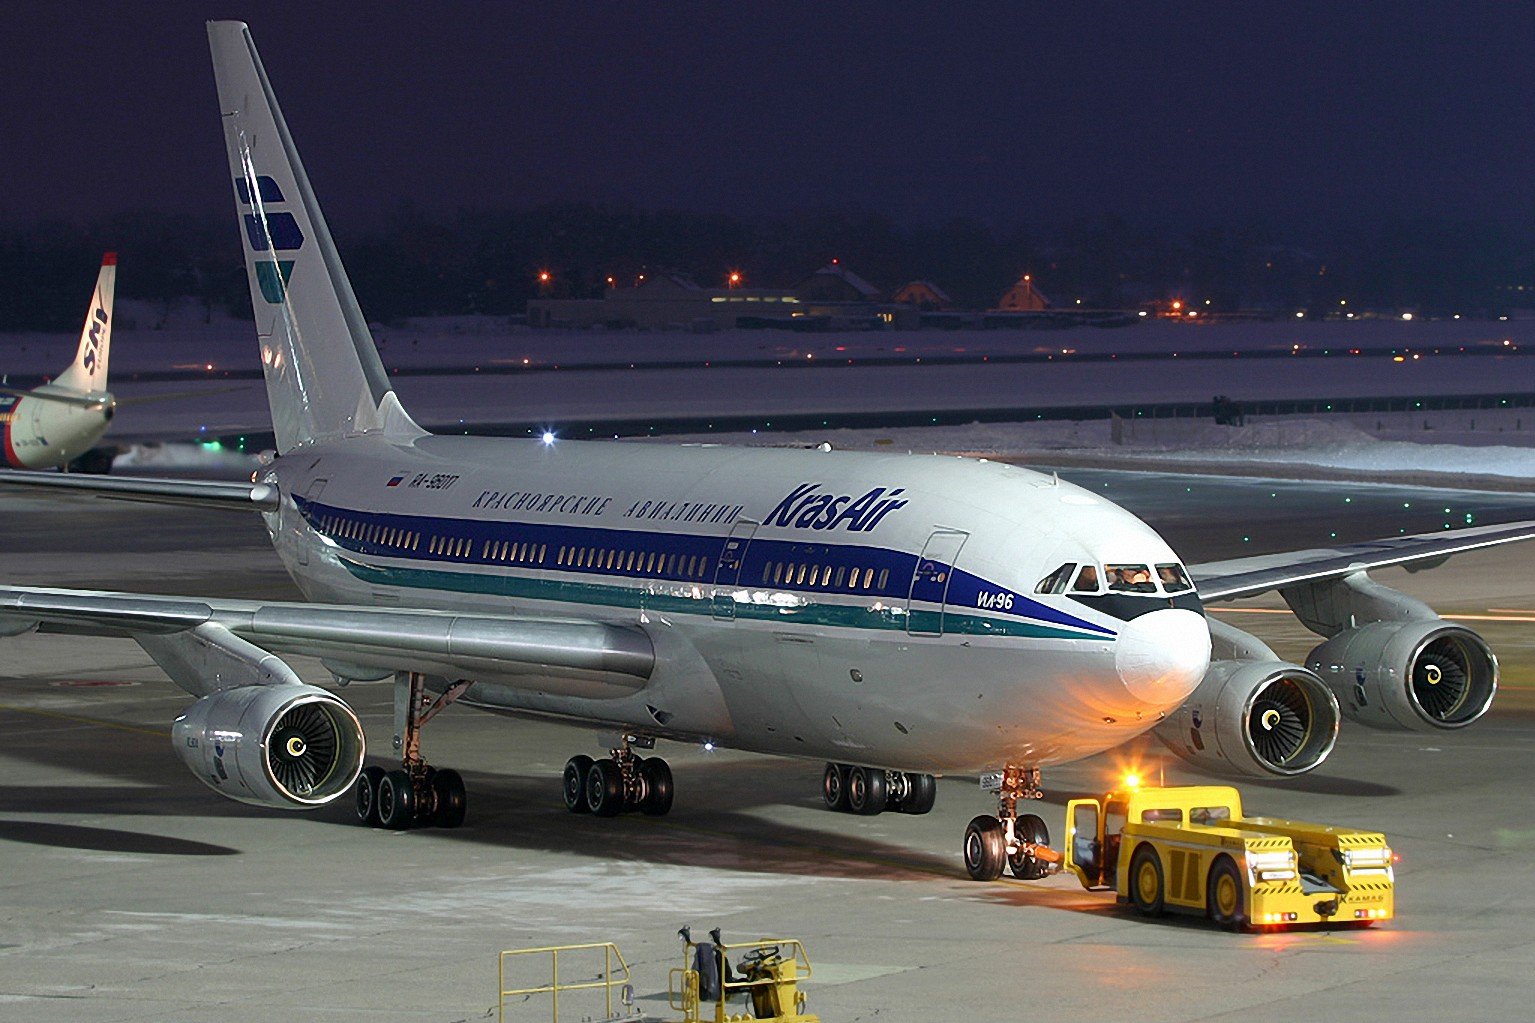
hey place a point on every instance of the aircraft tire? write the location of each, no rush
(867, 791)
(834, 787)
(1029, 828)
(452, 800)
(574, 781)
(658, 787)
(605, 789)
(921, 793)
(985, 848)
(365, 795)
(396, 801)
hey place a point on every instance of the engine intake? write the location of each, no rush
(1254, 718)
(1418, 676)
(286, 746)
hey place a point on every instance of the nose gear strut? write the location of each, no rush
(1009, 840)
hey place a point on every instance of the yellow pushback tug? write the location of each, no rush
(1189, 849)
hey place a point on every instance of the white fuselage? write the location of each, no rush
(36, 433)
(862, 608)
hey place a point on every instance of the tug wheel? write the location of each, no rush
(1224, 896)
(985, 848)
(1146, 885)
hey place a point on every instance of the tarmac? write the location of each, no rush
(129, 892)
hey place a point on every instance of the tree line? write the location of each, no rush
(419, 263)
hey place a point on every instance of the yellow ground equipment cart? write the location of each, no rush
(717, 983)
(763, 984)
(1189, 849)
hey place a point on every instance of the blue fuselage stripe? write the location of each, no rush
(838, 569)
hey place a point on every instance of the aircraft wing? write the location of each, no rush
(586, 657)
(1247, 577)
(196, 493)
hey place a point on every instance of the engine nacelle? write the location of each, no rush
(1417, 676)
(294, 747)
(1254, 718)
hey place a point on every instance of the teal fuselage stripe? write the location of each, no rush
(599, 594)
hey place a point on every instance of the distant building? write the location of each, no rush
(925, 295)
(1023, 297)
(664, 299)
(835, 283)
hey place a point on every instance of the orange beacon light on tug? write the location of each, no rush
(1189, 849)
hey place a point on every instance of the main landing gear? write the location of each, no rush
(620, 782)
(867, 791)
(1008, 840)
(417, 794)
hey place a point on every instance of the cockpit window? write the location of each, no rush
(1056, 581)
(1130, 578)
(1087, 580)
(1173, 578)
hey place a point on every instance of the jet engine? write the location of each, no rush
(1415, 676)
(289, 746)
(1254, 718)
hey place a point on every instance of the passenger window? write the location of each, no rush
(1130, 578)
(815, 574)
(1056, 581)
(841, 576)
(1087, 580)
(767, 572)
(778, 575)
(884, 577)
(868, 578)
(799, 576)
(541, 549)
(703, 567)
(1173, 578)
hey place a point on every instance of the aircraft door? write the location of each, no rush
(727, 572)
(930, 582)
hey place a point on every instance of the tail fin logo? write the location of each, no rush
(93, 345)
(269, 230)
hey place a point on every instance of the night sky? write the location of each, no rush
(1012, 112)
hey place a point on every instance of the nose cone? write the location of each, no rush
(1161, 656)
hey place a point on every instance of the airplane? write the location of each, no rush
(54, 424)
(895, 616)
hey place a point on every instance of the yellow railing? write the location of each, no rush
(611, 958)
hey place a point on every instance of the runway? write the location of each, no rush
(129, 892)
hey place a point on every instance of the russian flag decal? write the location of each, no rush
(394, 481)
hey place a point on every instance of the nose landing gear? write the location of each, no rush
(622, 781)
(1008, 840)
(416, 794)
(867, 791)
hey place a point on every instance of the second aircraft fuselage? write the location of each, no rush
(912, 612)
(37, 433)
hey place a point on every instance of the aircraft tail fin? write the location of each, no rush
(323, 374)
(89, 370)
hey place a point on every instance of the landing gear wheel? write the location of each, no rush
(396, 801)
(576, 770)
(1225, 898)
(451, 801)
(834, 787)
(921, 792)
(658, 787)
(867, 792)
(605, 788)
(1147, 889)
(1030, 829)
(365, 794)
(985, 848)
